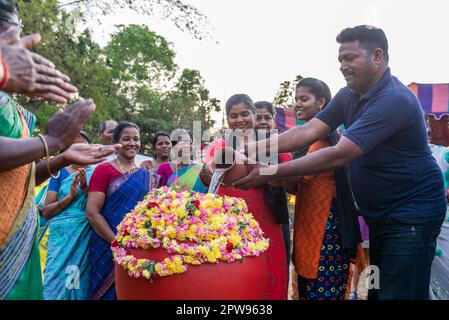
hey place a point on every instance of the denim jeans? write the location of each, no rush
(403, 250)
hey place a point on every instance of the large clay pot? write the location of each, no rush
(233, 162)
(239, 280)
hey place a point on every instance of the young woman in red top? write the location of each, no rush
(241, 115)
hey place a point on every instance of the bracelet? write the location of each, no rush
(48, 168)
(47, 155)
(5, 80)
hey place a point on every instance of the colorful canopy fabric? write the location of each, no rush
(434, 98)
(286, 119)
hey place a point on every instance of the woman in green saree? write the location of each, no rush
(67, 268)
(182, 172)
(20, 270)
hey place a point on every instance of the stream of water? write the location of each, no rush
(216, 180)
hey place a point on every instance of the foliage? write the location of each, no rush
(134, 77)
(184, 16)
(284, 96)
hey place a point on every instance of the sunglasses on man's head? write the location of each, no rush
(11, 22)
(182, 142)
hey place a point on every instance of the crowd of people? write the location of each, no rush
(60, 213)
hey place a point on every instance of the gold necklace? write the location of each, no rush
(121, 166)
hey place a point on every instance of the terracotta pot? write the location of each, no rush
(239, 280)
(233, 162)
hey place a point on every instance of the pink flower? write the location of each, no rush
(229, 247)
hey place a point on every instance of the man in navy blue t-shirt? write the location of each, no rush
(395, 180)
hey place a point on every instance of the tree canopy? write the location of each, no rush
(284, 95)
(134, 77)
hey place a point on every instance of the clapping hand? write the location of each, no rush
(79, 180)
(29, 73)
(82, 180)
(65, 125)
(147, 164)
(86, 154)
(74, 187)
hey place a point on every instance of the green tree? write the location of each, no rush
(142, 65)
(184, 16)
(133, 78)
(137, 55)
(192, 100)
(77, 56)
(285, 92)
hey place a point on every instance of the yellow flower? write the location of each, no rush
(176, 203)
(208, 205)
(235, 239)
(181, 236)
(218, 203)
(217, 252)
(203, 250)
(211, 257)
(188, 259)
(209, 196)
(146, 274)
(191, 251)
(216, 221)
(171, 232)
(158, 269)
(190, 234)
(253, 223)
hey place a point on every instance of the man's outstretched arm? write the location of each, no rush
(291, 140)
(320, 161)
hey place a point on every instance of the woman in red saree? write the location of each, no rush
(240, 113)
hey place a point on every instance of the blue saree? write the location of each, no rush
(122, 196)
(67, 269)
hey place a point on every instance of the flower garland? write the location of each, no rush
(292, 200)
(194, 228)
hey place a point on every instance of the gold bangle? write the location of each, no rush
(47, 154)
(48, 168)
